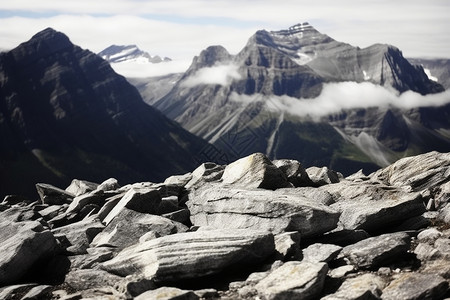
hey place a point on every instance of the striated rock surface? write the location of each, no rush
(416, 286)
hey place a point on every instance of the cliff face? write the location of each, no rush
(65, 113)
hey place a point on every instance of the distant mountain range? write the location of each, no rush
(64, 114)
(129, 53)
(244, 103)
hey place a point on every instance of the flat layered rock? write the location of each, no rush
(373, 207)
(192, 254)
(321, 252)
(415, 286)
(168, 293)
(225, 207)
(293, 280)
(366, 286)
(22, 245)
(377, 251)
(255, 171)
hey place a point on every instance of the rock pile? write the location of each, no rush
(254, 229)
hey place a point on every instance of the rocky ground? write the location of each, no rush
(254, 229)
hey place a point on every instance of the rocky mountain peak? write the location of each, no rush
(127, 53)
(210, 56)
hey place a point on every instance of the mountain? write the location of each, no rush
(129, 53)
(64, 113)
(242, 103)
(437, 69)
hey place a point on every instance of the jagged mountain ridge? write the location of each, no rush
(298, 62)
(65, 113)
(438, 68)
(129, 53)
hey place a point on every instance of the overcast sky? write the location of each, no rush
(180, 29)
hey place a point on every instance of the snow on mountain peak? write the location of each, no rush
(129, 53)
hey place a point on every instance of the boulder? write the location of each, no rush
(294, 280)
(444, 214)
(180, 180)
(192, 254)
(287, 245)
(79, 202)
(129, 226)
(145, 200)
(89, 279)
(23, 245)
(377, 251)
(321, 252)
(221, 207)
(77, 236)
(206, 172)
(79, 187)
(294, 172)
(50, 194)
(415, 286)
(366, 286)
(168, 293)
(419, 172)
(373, 207)
(323, 176)
(38, 292)
(110, 184)
(254, 171)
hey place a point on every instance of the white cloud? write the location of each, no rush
(219, 74)
(336, 97)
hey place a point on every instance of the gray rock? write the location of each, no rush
(287, 245)
(90, 279)
(341, 271)
(444, 214)
(50, 194)
(321, 252)
(76, 237)
(420, 172)
(373, 207)
(92, 259)
(168, 293)
(323, 176)
(294, 280)
(429, 235)
(415, 286)
(206, 172)
(23, 244)
(343, 237)
(145, 200)
(255, 171)
(294, 171)
(79, 202)
(377, 251)
(424, 252)
(11, 292)
(192, 254)
(79, 187)
(38, 292)
(110, 203)
(366, 286)
(129, 226)
(108, 185)
(52, 211)
(180, 180)
(221, 207)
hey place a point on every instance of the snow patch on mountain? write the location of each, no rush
(431, 77)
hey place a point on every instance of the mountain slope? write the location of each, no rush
(129, 53)
(438, 69)
(65, 113)
(241, 102)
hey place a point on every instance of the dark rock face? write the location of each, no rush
(239, 242)
(438, 68)
(64, 113)
(239, 115)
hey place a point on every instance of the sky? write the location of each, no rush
(181, 29)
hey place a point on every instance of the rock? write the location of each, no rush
(79, 187)
(424, 252)
(207, 293)
(92, 259)
(377, 251)
(420, 172)
(50, 194)
(192, 254)
(412, 286)
(323, 176)
(129, 226)
(444, 214)
(181, 216)
(52, 211)
(366, 286)
(180, 180)
(254, 171)
(38, 292)
(132, 286)
(168, 293)
(76, 237)
(429, 235)
(23, 245)
(79, 202)
(11, 292)
(287, 245)
(343, 237)
(321, 252)
(294, 280)
(110, 184)
(110, 203)
(294, 172)
(206, 172)
(146, 200)
(341, 271)
(373, 207)
(220, 207)
(89, 279)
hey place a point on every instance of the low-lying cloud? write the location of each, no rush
(336, 97)
(143, 70)
(219, 74)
